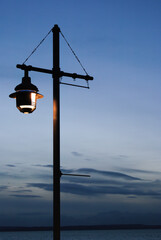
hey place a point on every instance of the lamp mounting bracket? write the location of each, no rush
(49, 71)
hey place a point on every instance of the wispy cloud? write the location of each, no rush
(22, 191)
(108, 182)
(44, 165)
(77, 154)
(110, 174)
(101, 183)
(88, 159)
(10, 165)
(44, 186)
(2, 188)
(25, 196)
(131, 170)
(120, 157)
(94, 190)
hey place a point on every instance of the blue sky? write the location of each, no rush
(111, 131)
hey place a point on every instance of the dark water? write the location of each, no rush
(86, 235)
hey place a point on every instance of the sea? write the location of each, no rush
(147, 234)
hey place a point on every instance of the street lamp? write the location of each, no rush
(26, 96)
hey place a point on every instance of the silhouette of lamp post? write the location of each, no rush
(26, 96)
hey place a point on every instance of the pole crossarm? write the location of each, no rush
(49, 71)
(75, 75)
(75, 175)
(35, 69)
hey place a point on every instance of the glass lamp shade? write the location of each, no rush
(26, 100)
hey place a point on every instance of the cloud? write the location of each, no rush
(10, 165)
(100, 183)
(103, 173)
(44, 176)
(94, 190)
(2, 188)
(22, 191)
(11, 175)
(77, 154)
(120, 157)
(91, 180)
(44, 186)
(108, 182)
(45, 165)
(88, 159)
(4, 174)
(130, 170)
(25, 196)
(131, 197)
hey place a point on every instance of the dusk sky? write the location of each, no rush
(112, 131)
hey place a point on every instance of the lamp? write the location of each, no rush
(26, 95)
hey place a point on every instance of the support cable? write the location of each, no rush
(74, 53)
(68, 46)
(37, 46)
(75, 57)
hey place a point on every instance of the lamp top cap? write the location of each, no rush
(56, 27)
(26, 84)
